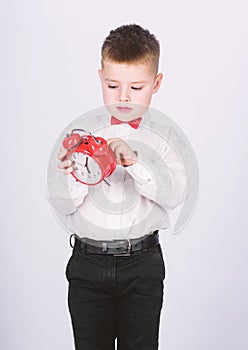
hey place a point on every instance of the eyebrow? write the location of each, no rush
(133, 82)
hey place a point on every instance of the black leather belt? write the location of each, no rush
(120, 247)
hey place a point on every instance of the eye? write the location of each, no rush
(112, 86)
(136, 88)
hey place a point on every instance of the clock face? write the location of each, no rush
(86, 169)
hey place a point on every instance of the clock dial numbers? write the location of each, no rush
(85, 168)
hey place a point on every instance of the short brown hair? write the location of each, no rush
(131, 44)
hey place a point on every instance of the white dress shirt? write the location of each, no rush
(138, 198)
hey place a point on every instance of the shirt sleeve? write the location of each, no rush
(66, 194)
(161, 179)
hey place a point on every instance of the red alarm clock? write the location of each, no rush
(92, 158)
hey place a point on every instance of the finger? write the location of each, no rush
(127, 162)
(62, 153)
(113, 145)
(109, 141)
(67, 163)
(68, 170)
(122, 152)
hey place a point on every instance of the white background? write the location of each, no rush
(50, 53)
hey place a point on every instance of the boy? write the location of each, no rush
(116, 273)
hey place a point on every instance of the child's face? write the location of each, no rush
(125, 85)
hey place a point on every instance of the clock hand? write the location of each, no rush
(76, 161)
(86, 165)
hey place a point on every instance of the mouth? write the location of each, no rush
(124, 109)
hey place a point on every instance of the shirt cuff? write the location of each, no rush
(140, 172)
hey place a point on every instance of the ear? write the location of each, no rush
(100, 73)
(157, 82)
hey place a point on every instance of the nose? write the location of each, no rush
(124, 96)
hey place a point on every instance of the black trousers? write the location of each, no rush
(116, 297)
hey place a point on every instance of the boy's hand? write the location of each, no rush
(64, 164)
(123, 153)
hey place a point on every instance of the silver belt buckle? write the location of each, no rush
(128, 252)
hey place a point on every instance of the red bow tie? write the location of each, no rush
(133, 123)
